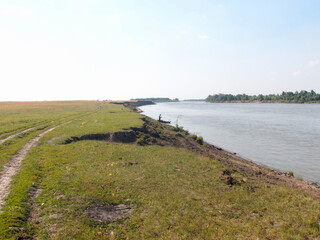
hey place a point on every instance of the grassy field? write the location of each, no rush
(16, 117)
(171, 193)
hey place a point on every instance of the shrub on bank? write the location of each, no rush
(178, 128)
(200, 140)
(194, 136)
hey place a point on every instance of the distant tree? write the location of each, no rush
(289, 97)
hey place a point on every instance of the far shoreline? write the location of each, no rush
(264, 102)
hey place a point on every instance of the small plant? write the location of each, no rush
(141, 141)
(290, 174)
(194, 136)
(178, 128)
(200, 140)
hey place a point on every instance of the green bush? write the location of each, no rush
(178, 128)
(194, 136)
(200, 140)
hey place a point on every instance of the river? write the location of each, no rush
(281, 136)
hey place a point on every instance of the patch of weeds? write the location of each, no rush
(141, 141)
(194, 136)
(178, 128)
(153, 140)
(200, 140)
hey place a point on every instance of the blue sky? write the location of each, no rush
(74, 49)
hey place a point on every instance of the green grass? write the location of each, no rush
(17, 116)
(110, 118)
(176, 194)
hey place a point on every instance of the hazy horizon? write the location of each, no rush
(186, 49)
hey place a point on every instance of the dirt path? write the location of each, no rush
(14, 135)
(13, 166)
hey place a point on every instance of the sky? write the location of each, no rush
(123, 49)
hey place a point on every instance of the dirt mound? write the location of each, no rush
(108, 213)
(123, 137)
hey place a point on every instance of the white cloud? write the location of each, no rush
(182, 34)
(297, 73)
(202, 37)
(114, 19)
(313, 63)
(16, 11)
(273, 73)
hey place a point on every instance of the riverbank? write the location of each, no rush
(116, 174)
(244, 166)
(241, 164)
(280, 136)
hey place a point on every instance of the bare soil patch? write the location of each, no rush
(130, 163)
(52, 140)
(122, 137)
(108, 213)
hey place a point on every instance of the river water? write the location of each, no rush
(281, 136)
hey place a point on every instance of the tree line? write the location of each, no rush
(285, 97)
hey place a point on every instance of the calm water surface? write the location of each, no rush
(281, 136)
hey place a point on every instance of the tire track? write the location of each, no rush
(24, 131)
(14, 135)
(12, 167)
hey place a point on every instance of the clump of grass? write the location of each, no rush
(141, 141)
(200, 140)
(178, 128)
(290, 174)
(194, 136)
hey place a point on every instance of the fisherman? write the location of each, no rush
(160, 118)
